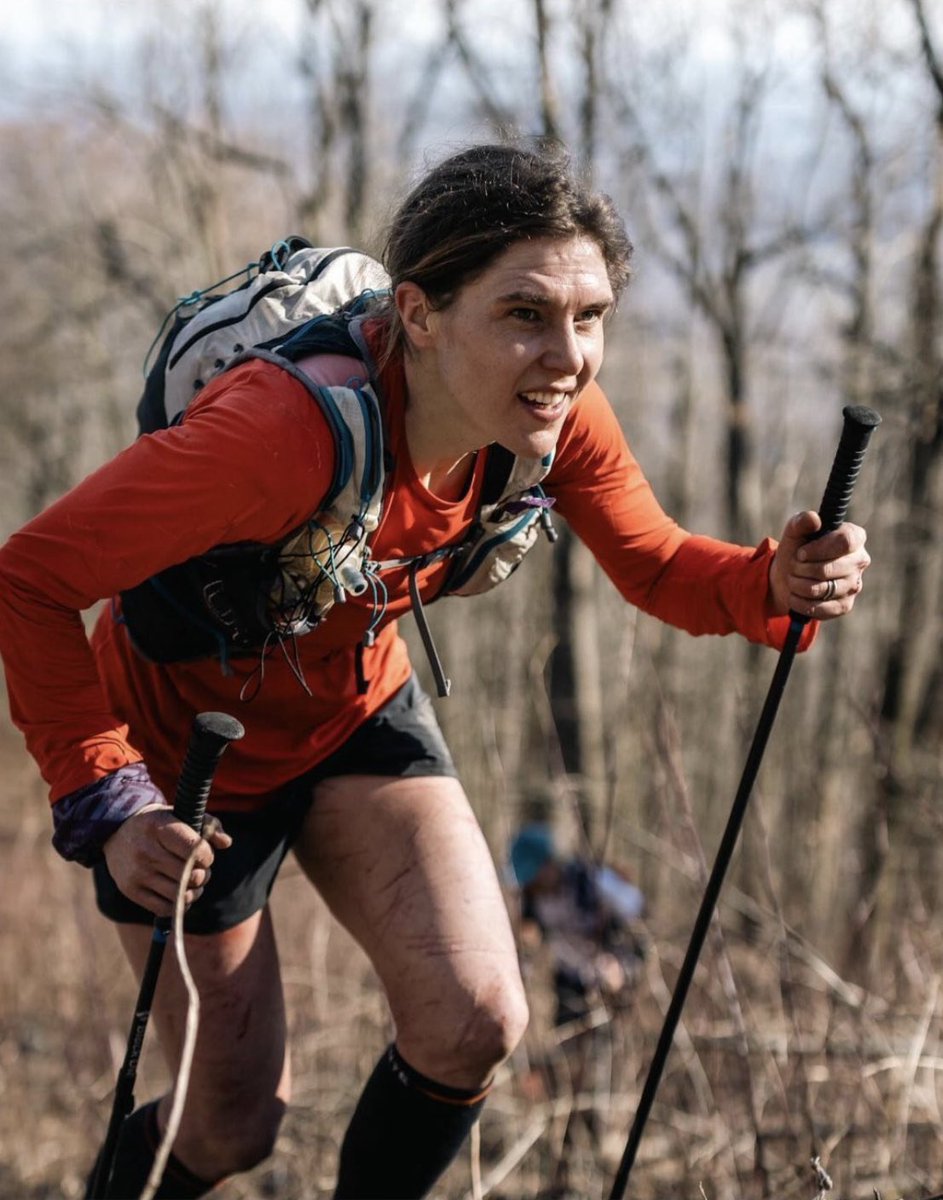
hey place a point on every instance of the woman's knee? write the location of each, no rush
(494, 1028)
(469, 1038)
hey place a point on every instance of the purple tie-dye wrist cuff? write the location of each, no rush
(86, 819)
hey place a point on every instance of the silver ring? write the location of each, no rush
(830, 590)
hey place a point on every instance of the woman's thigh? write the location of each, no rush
(403, 865)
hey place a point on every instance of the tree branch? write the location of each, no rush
(931, 58)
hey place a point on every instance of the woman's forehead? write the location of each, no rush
(548, 267)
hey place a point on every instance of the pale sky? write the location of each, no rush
(29, 24)
(42, 40)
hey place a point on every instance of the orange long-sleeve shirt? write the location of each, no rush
(252, 461)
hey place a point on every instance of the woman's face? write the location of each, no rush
(510, 356)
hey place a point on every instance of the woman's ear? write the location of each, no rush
(415, 313)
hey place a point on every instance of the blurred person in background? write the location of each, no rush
(586, 919)
(587, 915)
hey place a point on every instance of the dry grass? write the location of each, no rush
(796, 1064)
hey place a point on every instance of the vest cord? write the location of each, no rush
(442, 682)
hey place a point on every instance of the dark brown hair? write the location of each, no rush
(476, 204)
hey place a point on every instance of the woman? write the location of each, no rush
(504, 270)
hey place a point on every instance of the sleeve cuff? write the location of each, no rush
(85, 819)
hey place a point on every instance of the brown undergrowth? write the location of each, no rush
(797, 1066)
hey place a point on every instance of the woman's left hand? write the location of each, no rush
(822, 578)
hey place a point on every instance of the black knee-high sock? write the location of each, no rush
(405, 1131)
(134, 1157)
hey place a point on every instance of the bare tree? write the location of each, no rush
(824, 795)
(335, 63)
(575, 678)
(549, 102)
(910, 708)
(593, 20)
(904, 382)
(912, 704)
(715, 252)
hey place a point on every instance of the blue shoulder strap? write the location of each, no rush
(360, 406)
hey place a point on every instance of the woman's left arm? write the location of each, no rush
(701, 584)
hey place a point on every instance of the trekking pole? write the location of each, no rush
(210, 734)
(859, 424)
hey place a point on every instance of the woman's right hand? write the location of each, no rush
(148, 852)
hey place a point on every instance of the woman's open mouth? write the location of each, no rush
(548, 406)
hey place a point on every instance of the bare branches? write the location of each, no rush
(860, 329)
(218, 148)
(498, 116)
(713, 258)
(930, 55)
(335, 63)
(120, 273)
(549, 119)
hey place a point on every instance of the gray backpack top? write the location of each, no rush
(290, 284)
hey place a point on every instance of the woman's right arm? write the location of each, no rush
(249, 463)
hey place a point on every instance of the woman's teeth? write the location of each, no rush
(542, 399)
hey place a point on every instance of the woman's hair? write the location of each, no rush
(476, 204)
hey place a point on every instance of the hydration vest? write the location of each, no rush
(246, 598)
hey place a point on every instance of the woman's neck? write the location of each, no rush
(442, 459)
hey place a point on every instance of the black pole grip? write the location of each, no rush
(210, 734)
(859, 424)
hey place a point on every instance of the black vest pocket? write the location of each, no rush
(211, 606)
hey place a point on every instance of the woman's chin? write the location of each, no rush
(535, 443)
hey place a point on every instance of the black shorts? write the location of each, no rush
(402, 739)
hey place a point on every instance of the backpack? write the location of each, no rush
(288, 286)
(243, 598)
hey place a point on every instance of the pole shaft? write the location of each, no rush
(859, 424)
(210, 735)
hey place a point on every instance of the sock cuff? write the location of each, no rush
(176, 1173)
(409, 1077)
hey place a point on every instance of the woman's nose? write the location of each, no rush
(564, 352)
